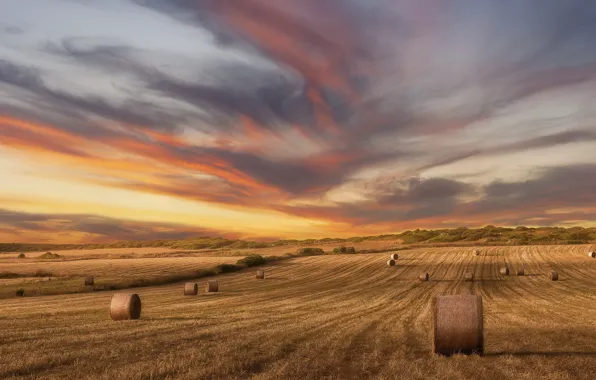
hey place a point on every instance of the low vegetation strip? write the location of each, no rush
(488, 235)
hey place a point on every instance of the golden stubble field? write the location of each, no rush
(321, 317)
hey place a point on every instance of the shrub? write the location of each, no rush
(310, 251)
(20, 292)
(21, 255)
(227, 268)
(49, 255)
(252, 260)
(343, 249)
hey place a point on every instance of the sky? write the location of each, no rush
(260, 119)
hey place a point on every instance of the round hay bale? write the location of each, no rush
(191, 289)
(477, 252)
(394, 256)
(521, 272)
(391, 262)
(260, 274)
(554, 276)
(90, 280)
(592, 254)
(458, 325)
(469, 276)
(125, 307)
(212, 286)
(424, 277)
(504, 271)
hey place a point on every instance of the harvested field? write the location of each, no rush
(322, 317)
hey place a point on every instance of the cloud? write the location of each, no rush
(97, 229)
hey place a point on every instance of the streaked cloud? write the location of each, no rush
(349, 116)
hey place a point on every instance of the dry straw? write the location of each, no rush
(424, 277)
(260, 274)
(394, 256)
(592, 254)
(504, 271)
(212, 286)
(458, 325)
(469, 276)
(89, 280)
(191, 289)
(554, 276)
(125, 307)
(391, 262)
(521, 272)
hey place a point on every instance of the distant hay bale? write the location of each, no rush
(554, 276)
(424, 277)
(477, 252)
(90, 280)
(521, 272)
(394, 256)
(212, 286)
(504, 271)
(469, 276)
(260, 274)
(125, 307)
(191, 289)
(458, 325)
(592, 254)
(391, 262)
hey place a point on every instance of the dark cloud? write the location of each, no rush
(510, 203)
(134, 112)
(104, 229)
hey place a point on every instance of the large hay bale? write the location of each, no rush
(391, 262)
(90, 280)
(521, 272)
(394, 256)
(424, 277)
(477, 252)
(212, 286)
(592, 254)
(504, 271)
(125, 307)
(458, 325)
(191, 289)
(260, 274)
(554, 276)
(469, 276)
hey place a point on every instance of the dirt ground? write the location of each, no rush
(321, 317)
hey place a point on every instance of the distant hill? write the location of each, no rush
(489, 235)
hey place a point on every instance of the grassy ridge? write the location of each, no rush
(489, 235)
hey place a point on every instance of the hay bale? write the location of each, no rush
(469, 276)
(424, 277)
(592, 254)
(212, 286)
(90, 280)
(191, 289)
(554, 276)
(125, 307)
(477, 252)
(260, 274)
(521, 272)
(391, 262)
(394, 256)
(504, 271)
(458, 325)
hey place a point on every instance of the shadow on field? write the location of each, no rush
(546, 353)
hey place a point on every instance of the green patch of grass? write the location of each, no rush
(309, 251)
(252, 260)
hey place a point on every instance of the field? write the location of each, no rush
(319, 317)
